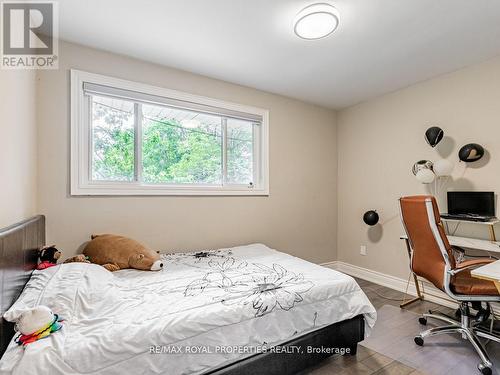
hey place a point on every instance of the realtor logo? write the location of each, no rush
(29, 35)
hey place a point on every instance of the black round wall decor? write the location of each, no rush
(370, 217)
(433, 135)
(471, 152)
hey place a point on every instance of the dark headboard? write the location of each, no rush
(18, 258)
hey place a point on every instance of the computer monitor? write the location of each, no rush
(481, 203)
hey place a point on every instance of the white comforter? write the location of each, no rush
(219, 305)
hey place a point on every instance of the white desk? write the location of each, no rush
(490, 224)
(470, 243)
(489, 272)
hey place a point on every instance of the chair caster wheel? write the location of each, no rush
(484, 370)
(422, 321)
(419, 340)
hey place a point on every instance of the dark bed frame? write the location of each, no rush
(18, 258)
(19, 246)
(343, 335)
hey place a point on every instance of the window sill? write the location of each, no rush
(152, 190)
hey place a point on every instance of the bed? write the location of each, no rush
(244, 310)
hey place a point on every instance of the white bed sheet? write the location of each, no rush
(219, 304)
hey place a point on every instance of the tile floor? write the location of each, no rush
(369, 362)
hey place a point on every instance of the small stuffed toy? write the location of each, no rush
(35, 324)
(117, 252)
(80, 258)
(48, 257)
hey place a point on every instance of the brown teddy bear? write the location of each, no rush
(117, 252)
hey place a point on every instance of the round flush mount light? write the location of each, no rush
(316, 21)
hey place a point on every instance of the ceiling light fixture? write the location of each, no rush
(316, 21)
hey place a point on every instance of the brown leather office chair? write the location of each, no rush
(432, 258)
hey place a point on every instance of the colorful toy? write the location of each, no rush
(35, 324)
(49, 256)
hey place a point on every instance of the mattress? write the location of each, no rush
(202, 311)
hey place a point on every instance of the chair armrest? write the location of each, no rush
(474, 262)
(465, 265)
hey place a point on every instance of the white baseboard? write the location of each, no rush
(430, 292)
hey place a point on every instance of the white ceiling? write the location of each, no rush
(380, 46)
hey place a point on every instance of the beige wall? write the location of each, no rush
(378, 142)
(299, 217)
(18, 146)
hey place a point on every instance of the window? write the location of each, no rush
(134, 139)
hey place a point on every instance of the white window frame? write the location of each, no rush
(81, 183)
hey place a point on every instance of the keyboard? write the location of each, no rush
(468, 217)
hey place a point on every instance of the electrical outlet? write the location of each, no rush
(362, 250)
